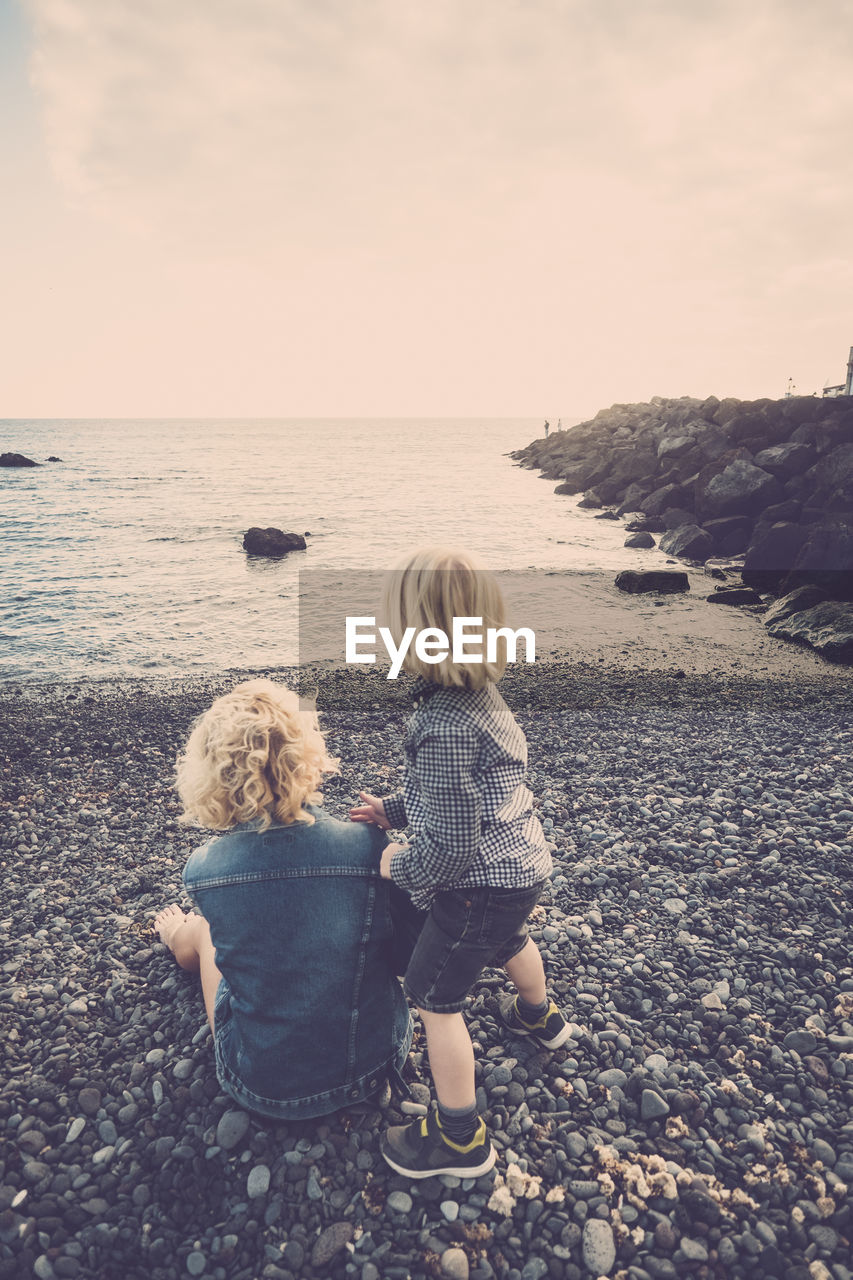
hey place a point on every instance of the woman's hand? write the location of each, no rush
(385, 861)
(370, 810)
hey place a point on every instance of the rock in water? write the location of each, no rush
(689, 541)
(639, 580)
(734, 595)
(17, 460)
(643, 540)
(272, 542)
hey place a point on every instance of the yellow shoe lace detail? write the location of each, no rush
(476, 1141)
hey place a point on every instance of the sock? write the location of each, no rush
(459, 1125)
(532, 1012)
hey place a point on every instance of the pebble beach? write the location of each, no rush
(696, 931)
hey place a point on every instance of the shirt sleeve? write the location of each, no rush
(395, 810)
(449, 839)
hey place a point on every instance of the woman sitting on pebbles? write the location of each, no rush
(293, 940)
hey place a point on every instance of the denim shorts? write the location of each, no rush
(443, 951)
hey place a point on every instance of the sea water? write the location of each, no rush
(126, 557)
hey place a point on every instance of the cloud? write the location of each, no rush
(556, 173)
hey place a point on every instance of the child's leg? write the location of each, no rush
(188, 938)
(451, 1059)
(527, 971)
(531, 1012)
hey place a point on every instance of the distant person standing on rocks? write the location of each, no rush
(294, 943)
(547, 428)
(475, 867)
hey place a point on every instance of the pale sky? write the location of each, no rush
(421, 207)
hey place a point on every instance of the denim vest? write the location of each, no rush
(309, 1015)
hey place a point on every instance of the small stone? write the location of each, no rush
(599, 1250)
(258, 1181)
(612, 1078)
(43, 1268)
(89, 1100)
(693, 1250)
(454, 1263)
(656, 1062)
(329, 1242)
(534, 1269)
(231, 1129)
(196, 1263)
(107, 1132)
(665, 1237)
(674, 906)
(449, 1209)
(399, 1202)
(652, 1105)
(75, 1128)
(800, 1041)
(824, 1152)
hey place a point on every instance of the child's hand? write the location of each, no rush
(385, 861)
(372, 810)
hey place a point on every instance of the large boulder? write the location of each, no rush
(786, 460)
(669, 495)
(827, 432)
(675, 516)
(734, 595)
(736, 488)
(639, 540)
(796, 601)
(826, 627)
(830, 481)
(646, 524)
(826, 558)
(727, 409)
(771, 554)
(687, 541)
(637, 581)
(796, 410)
(17, 460)
(730, 534)
(752, 430)
(271, 542)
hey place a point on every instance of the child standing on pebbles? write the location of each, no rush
(475, 868)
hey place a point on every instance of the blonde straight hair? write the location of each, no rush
(253, 755)
(429, 589)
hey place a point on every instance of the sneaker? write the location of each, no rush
(551, 1030)
(420, 1150)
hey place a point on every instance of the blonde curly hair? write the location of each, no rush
(253, 755)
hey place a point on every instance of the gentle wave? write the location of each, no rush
(152, 575)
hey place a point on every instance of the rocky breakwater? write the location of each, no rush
(769, 480)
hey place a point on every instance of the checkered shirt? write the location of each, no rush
(463, 796)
